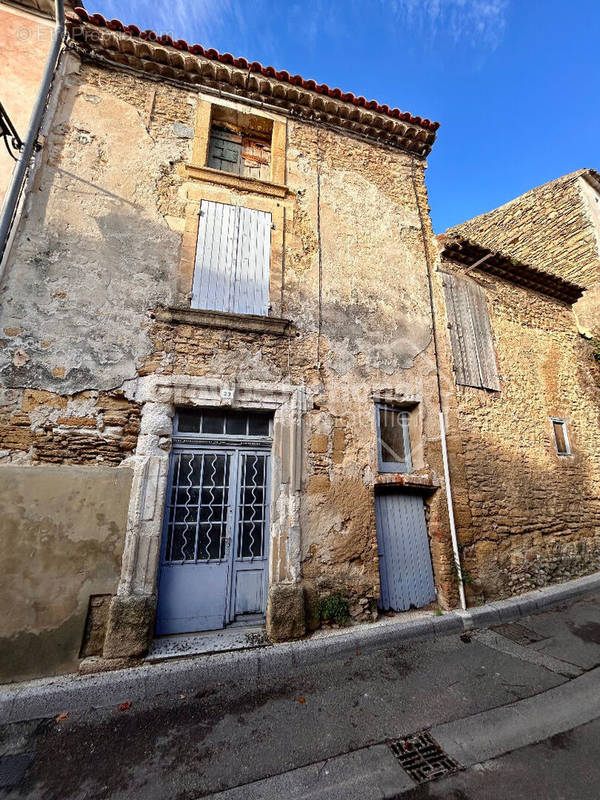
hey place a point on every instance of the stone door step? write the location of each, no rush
(194, 644)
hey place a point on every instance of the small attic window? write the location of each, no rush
(561, 437)
(240, 143)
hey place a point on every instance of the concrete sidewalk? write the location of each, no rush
(290, 721)
(373, 772)
(49, 697)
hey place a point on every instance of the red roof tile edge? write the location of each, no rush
(255, 66)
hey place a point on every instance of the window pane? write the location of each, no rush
(188, 421)
(560, 437)
(258, 425)
(236, 424)
(225, 150)
(213, 422)
(391, 430)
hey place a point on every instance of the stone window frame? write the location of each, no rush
(200, 147)
(205, 183)
(563, 422)
(413, 406)
(159, 397)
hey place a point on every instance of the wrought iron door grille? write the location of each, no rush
(197, 513)
(422, 757)
(252, 507)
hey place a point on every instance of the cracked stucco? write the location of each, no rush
(95, 250)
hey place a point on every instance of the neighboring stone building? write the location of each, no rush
(217, 303)
(555, 228)
(524, 422)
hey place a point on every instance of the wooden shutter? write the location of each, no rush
(225, 150)
(470, 333)
(233, 255)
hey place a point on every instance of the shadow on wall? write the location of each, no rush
(61, 540)
(92, 256)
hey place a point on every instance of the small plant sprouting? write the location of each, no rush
(467, 578)
(334, 607)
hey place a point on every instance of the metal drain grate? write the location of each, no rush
(422, 757)
(518, 633)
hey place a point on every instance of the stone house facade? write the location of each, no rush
(218, 298)
(227, 368)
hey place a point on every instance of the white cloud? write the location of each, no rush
(470, 22)
(197, 20)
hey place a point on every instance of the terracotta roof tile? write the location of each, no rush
(255, 66)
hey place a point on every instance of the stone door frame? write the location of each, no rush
(132, 613)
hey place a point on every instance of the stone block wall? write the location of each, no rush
(41, 427)
(527, 517)
(551, 227)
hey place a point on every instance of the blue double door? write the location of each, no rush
(405, 568)
(214, 554)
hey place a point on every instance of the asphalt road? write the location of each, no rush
(514, 707)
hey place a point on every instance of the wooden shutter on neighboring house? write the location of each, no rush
(233, 254)
(470, 333)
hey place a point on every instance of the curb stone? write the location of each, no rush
(50, 696)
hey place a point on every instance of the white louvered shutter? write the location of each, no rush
(233, 254)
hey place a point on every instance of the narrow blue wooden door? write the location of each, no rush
(404, 559)
(251, 540)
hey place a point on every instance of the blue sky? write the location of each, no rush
(514, 83)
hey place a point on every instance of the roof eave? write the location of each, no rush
(223, 74)
(467, 253)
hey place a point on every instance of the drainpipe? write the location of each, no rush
(13, 194)
(455, 550)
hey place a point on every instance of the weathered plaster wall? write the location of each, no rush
(526, 516)
(95, 251)
(61, 540)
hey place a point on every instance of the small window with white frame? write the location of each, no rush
(393, 439)
(561, 437)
